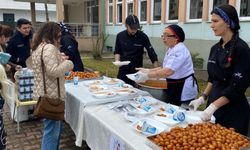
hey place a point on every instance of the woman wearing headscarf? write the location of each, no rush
(229, 73)
(69, 47)
(45, 47)
(177, 68)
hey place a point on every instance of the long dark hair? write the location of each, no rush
(48, 33)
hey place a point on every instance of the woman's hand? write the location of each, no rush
(18, 68)
(197, 102)
(208, 112)
(142, 77)
(64, 57)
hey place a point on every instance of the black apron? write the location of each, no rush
(174, 90)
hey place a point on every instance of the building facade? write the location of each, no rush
(90, 18)
(192, 15)
(11, 11)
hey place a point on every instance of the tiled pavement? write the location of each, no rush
(29, 137)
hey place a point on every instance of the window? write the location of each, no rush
(218, 2)
(243, 8)
(142, 12)
(215, 3)
(8, 18)
(156, 10)
(92, 11)
(119, 11)
(110, 12)
(172, 10)
(194, 10)
(130, 7)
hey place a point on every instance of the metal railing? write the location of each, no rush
(79, 29)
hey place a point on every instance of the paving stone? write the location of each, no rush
(29, 137)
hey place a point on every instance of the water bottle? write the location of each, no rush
(76, 79)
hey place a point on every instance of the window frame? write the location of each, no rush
(210, 8)
(108, 6)
(237, 6)
(188, 13)
(139, 11)
(152, 12)
(118, 3)
(167, 12)
(129, 2)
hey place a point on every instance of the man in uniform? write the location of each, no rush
(19, 45)
(129, 46)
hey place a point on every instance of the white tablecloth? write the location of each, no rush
(97, 123)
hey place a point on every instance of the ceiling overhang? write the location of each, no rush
(53, 1)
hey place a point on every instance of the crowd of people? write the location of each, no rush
(54, 46)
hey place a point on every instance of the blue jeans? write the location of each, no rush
(51, 134)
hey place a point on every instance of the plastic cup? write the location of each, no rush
(76, 79)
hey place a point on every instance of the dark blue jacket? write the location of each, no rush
(69, 46)
(19, 48)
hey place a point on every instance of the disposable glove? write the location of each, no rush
(197, 102)
(117, 63)
(144, 70)
(142, 77)
(208, 112)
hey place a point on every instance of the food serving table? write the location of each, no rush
(91, 120)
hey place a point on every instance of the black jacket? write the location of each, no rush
(132, 47)
(69, 46)
(19, 48)
(230, 82)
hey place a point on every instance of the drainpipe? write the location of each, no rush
(46, 12)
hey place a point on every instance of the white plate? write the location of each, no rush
(112, 81)
(91, 82)
(141, 111)
(168, 108)
(123, 86)
(160, 127)
(194, 117)
(97, 88)
(121, 63)
(125, 91)
(104, 94)
(168, 119)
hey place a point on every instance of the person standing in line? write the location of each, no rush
(177, 68)
(229, 73)
(19, 45)
(5, 34)
(129, 46)
(46, 44)
(69, 47)
(3, 96)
